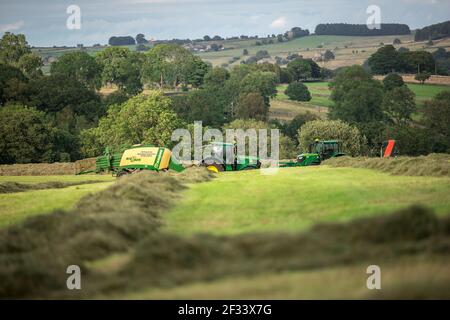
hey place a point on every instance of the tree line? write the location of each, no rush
(384, 110)
(344, 29)
(433, 32)
(388, 59)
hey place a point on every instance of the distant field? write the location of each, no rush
(426, 91)
(348, 50)
(345, 48)
(297, 198)
(285, 109)
(15, 207)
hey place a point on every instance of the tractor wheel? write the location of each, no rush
(216, 168)
(122, 173)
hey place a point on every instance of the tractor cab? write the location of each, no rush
(319, 151)
(223, 157)
(326, 149)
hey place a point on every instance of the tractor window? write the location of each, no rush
(329, 149)
(223, 152)
(229, 154)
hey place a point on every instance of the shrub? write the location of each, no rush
(328, 55)
(141, 119)
(298, 91)
(291, 128)
(25, 135)
(252, 105)
(392, 81)
(422, 77)
(285, 76)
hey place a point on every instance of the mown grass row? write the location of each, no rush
(13, 187)
(436, 165)
(35, 254)
(125, 219)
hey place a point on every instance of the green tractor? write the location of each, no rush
(220, 152)
(319, 151)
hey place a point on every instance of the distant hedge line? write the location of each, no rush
(435, 31)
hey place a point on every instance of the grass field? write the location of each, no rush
(284, 109)
(296, 198)
(343, 283)
(262, 255)
(15, 207)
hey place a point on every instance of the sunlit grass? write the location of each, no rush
(296, 198)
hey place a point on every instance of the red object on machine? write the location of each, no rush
(389, 148)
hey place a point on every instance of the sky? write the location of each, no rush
(44, 22)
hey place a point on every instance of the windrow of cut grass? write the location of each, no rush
(12, 187)
(35, 254)
(166, 261)
(47, 169)
(169, 261)
(116, 239)
(436, 165)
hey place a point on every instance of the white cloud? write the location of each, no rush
(11, 26)
(279, 23)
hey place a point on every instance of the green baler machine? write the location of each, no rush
(136, 158)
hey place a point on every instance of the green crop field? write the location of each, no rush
(296, 198)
